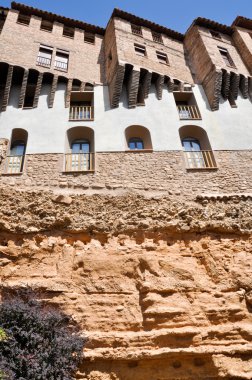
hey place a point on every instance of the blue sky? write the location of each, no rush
(174, 14)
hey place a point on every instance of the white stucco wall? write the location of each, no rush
(227, 129)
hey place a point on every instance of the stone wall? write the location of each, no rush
(3, 149)
(161, 287)
(143, 172)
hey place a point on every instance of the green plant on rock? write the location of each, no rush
(37, 343)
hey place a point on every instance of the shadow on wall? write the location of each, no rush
(198, 133)
(140, 132)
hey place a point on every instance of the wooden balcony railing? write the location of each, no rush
(42, 61)
(81, 113)
(203, 159)
(63, 66)
(189, 112)
(14, 164)
(79, 162)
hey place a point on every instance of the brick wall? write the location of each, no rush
(157, 171)
(243, 42)
(177, 67)
(19, 45)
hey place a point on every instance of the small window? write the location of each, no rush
(157, 37)
(136, 143)
(46, 25)
(61, 60)
(226, 57)
(215, 34)
(44, 56)
(15, 160)
(140, 50)
(89, 37)
(68, 32)
(23, 19)
(136, 29)
(162, 57)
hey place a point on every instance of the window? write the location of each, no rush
(157, 37)
(194, 155)
(29, 96)
(68, 32)
(137, 138)
(61, 60)
(46, 25)
(226, 57)
(80, 155)
(136, 143)
(89, 37)
(44, 56)
(23, 19)
(140, 50)
(187, 106)
(215, 34)
(162, 57)
(136, 29)
(197, 148)
(16, 158)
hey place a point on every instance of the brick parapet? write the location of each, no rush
(151, 172)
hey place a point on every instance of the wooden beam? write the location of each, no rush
(115, 86)
(23, 89)
(234, 85)
(170, 84)
(132, 87)
(225, 85)
(159, 86)
(68, 93)
(147, 84)
(244, 86)
(38, 90)
(7, 88)
(53, 90)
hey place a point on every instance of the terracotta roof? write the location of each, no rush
(53, 17)
(243, 22)
(201, 21)
(148, 24)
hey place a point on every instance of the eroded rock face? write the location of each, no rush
(161, 288)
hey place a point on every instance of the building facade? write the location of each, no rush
(84, 107)
(126, 187)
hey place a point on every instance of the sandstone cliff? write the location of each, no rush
(161, 287)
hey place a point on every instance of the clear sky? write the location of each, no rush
(174, 14)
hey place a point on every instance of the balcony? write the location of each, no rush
(60, 65)
(81, 113)
(188, 112)
(14, 164)
(203, 159)
(42, 61)
(79, 162)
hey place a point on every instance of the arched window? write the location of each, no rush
(138, 137)
(79, 150)
(197, 148)
(80, 158)
(15, 159)
(136, 143)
